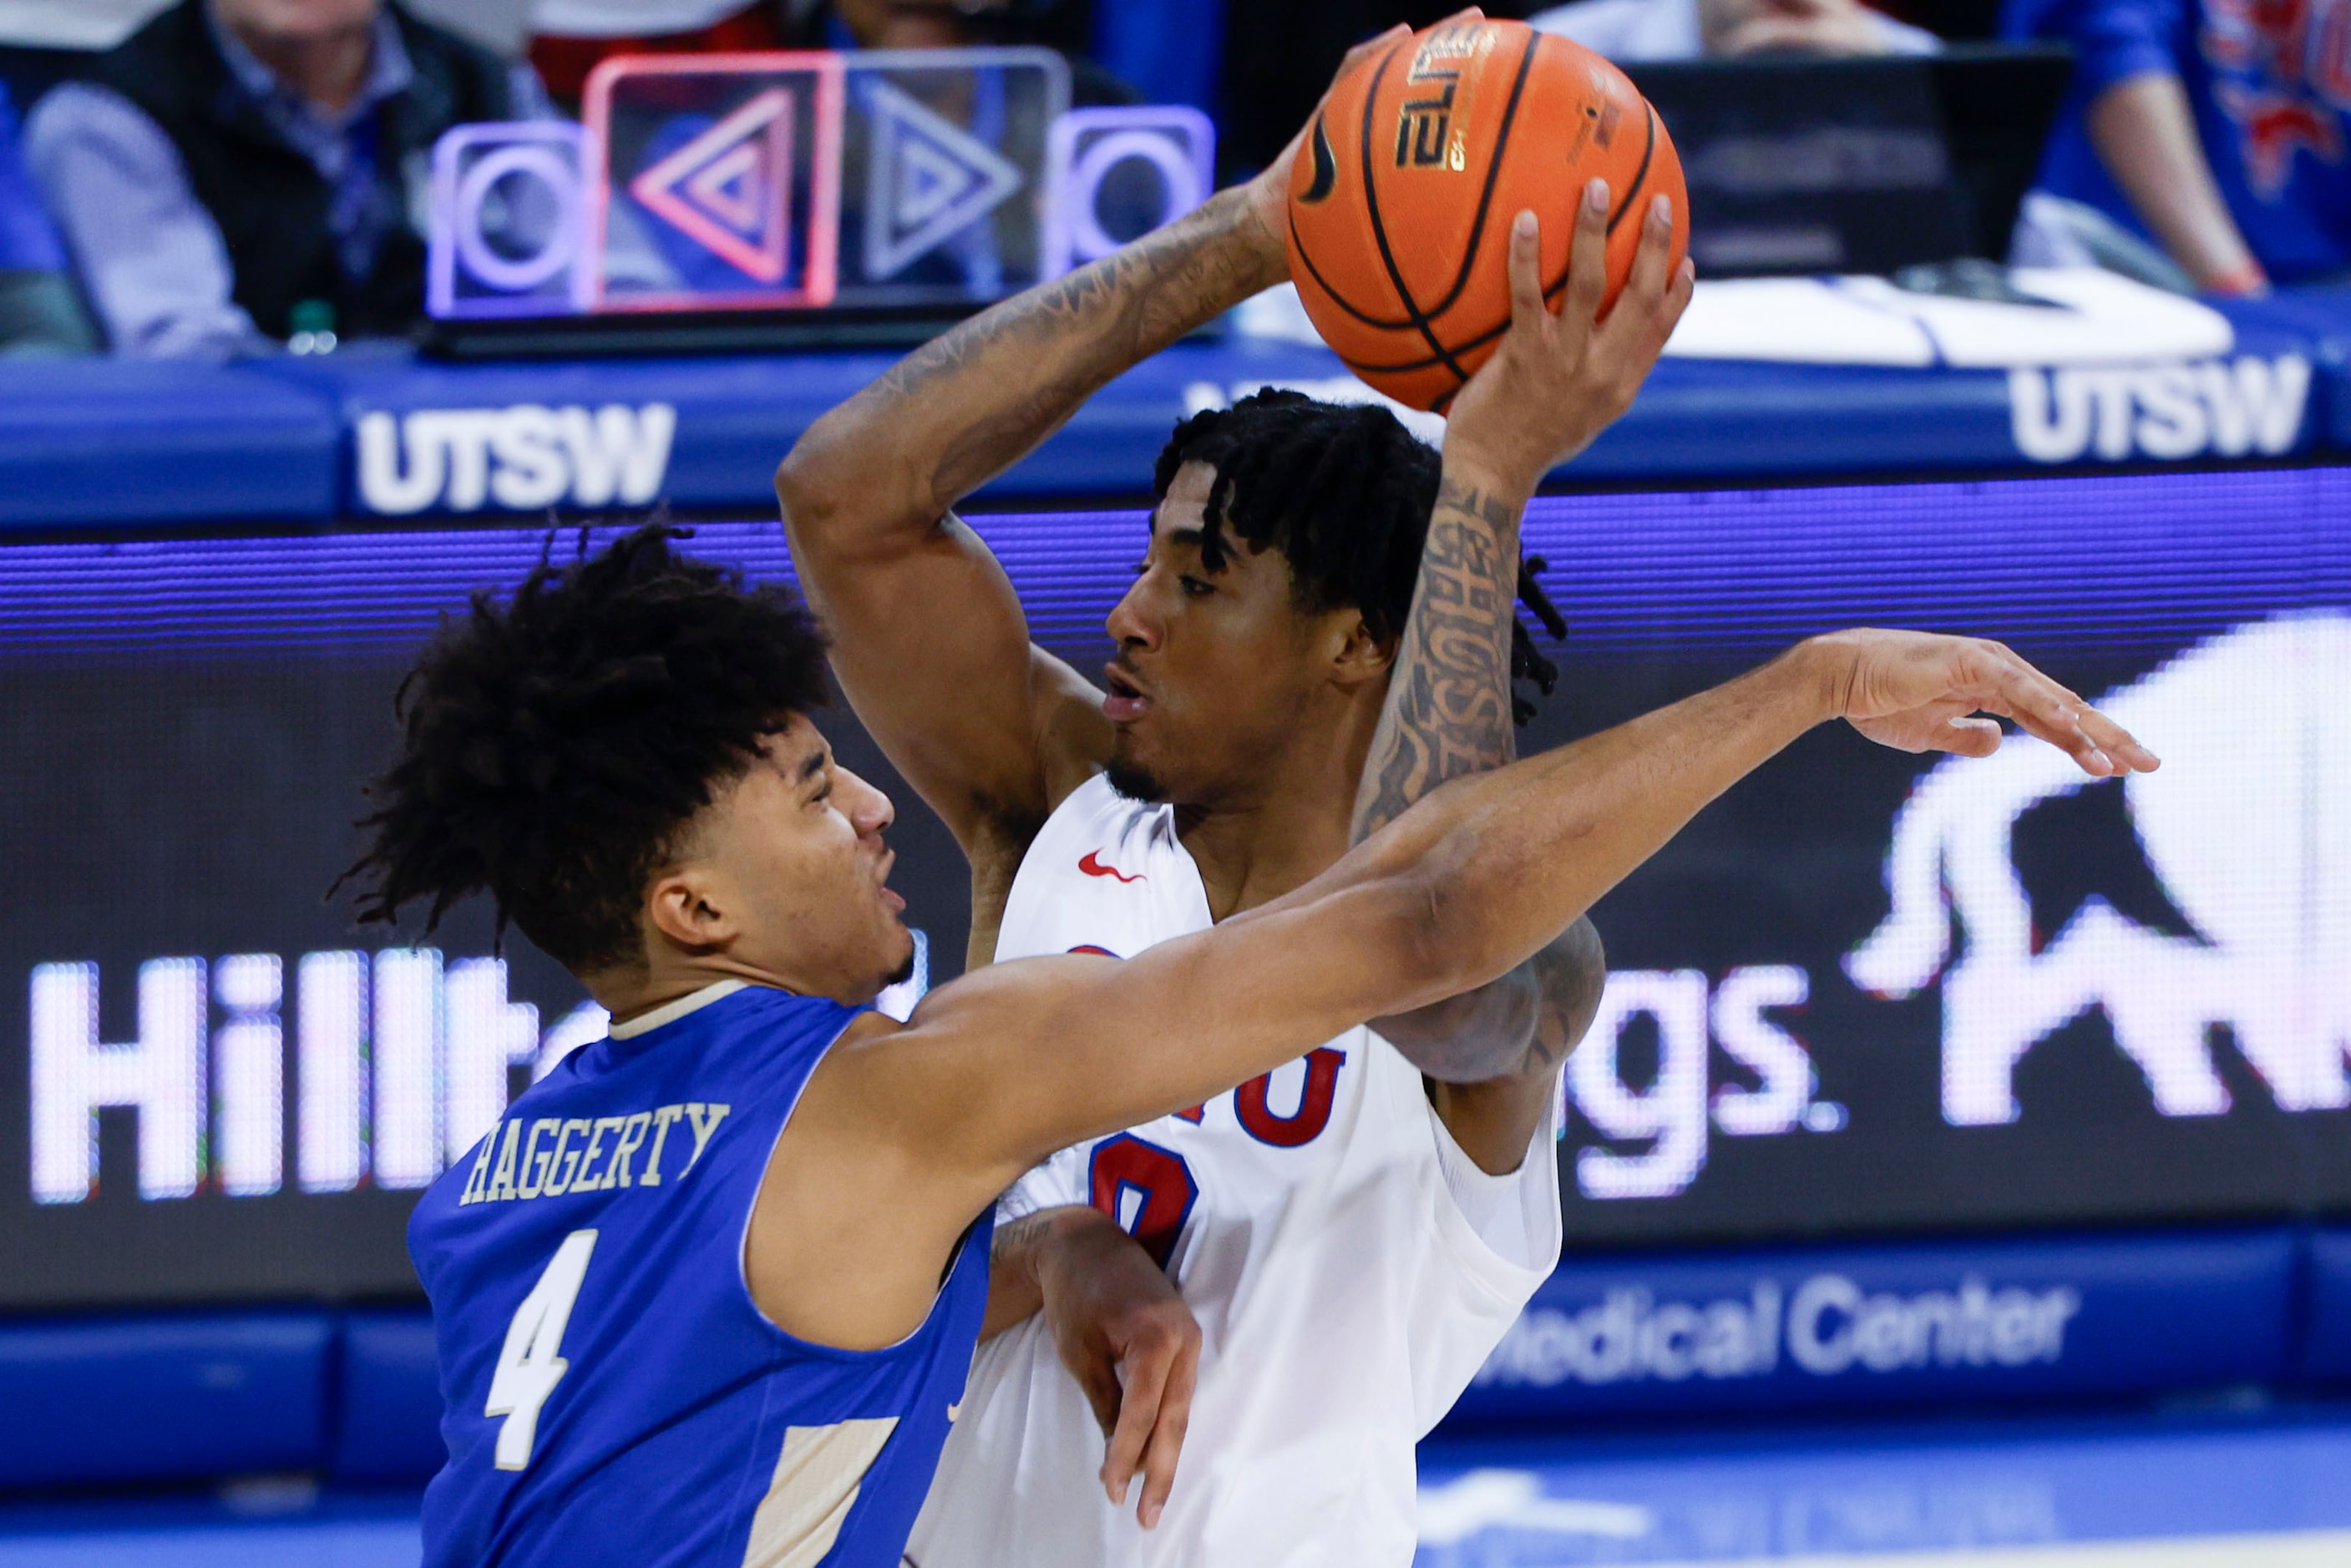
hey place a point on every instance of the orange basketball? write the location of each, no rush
(1405, 185)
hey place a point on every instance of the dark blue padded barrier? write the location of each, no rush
(2327, 1327)
(91, 440)
(356, 1395)
(162, 1398)
(1926, 1321)
(388, 1423)
(374, 432)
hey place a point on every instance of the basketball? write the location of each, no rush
(1405, 185)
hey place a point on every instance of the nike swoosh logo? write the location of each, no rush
(1326, 167)
(1092, 866)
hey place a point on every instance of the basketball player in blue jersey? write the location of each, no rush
(1349, 1260)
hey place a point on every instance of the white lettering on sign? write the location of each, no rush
(1828, 1325)
(2240, 408)
(1832, 1327)
(403, 1061)
(402, 1065)
(523, 457)
(160, 1074)
(1672, 1112)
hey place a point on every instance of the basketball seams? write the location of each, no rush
(1631, 195)
(1640, 175)
(1478, 224)
(1419, 322)
(1298, 241)
(1298, 244)
(1493, 176)
(1544, 91)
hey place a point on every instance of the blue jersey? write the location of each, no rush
(610, 1393)
(2269, 81)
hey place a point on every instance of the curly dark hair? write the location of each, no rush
(553, 745)
(1345, 490)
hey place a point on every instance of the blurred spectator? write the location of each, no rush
(237, 160)
(1629, 30)
(1280, 55)
(962, 24)
(572, 35)
(569, 37)
(39, 311)
(2214, 127)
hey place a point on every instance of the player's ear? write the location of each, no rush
(1358, 656)
(686, 906)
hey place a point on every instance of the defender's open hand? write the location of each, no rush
(1557, 380)
(1920, 693)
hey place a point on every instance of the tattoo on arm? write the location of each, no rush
(1525, 1022)
(1001, 382)
(1448, 707)
(1449, 713)
(1014, 1294)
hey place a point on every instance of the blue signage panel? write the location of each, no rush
(2327, 1327)
(1945, 1321)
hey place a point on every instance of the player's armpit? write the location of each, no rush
(928, 636)
(989, 729)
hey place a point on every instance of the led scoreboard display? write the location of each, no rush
(1866, 993)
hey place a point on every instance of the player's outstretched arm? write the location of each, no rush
(1466, 885)
(928, 639)
(909, 1131)
(1494, 1052)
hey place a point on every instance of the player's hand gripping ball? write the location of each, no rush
(1405, 187)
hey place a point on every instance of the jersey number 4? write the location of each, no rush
(532, 1363)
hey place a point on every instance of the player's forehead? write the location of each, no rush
(1182, 513)
(1179, 524)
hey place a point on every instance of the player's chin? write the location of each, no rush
(1130, 770)
(897, 953)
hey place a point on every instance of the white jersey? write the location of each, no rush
(1351, 1270)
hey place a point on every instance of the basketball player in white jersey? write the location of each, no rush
(1357, 1230)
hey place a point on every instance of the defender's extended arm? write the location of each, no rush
(904, 1134)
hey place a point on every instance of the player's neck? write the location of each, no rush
(628, 994)
(1285, 827)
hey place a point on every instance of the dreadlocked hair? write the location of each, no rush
(1345, 492)
(553, 746)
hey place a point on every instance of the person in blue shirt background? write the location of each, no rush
(2214, 129)
(40, 311)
